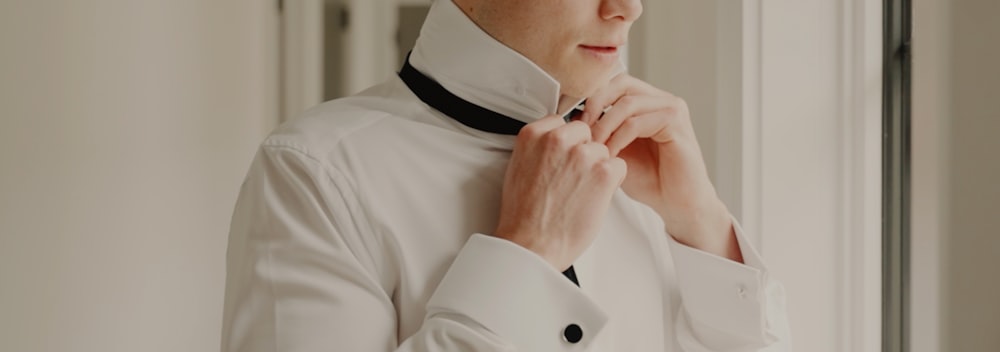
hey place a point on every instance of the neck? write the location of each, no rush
(566, 103)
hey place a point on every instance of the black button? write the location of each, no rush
(573, 333)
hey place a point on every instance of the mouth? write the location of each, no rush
(602, 53)
(599, 49)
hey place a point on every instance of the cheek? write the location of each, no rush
(548, 46)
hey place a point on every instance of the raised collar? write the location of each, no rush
(471, 64)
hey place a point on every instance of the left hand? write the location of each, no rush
(651, 130)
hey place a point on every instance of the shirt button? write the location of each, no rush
(742, 291)
(573, 333)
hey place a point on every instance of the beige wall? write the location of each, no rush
(126, 129)
(955, 177)
(972, 236)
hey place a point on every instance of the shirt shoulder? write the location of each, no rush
(322, 131)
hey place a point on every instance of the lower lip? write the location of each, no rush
(601, 53)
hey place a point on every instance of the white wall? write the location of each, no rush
(127, 127)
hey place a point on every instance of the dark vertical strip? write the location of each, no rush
(896, 175)
(906, 61)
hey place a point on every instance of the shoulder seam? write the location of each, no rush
(275, 142)
(343, 182)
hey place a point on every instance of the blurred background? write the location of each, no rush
(127, 127)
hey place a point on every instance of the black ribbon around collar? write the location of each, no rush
(469, 114)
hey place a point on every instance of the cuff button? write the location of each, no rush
(573, 333)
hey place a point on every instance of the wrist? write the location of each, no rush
(706, 226)
(680, 216)
(545, 249)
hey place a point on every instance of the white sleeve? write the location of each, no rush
(305, 274)
(728, 306)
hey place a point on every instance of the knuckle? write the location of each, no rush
(626, 101)
(558, 139)
(589, 153)
(579, 151)
(577, 125)
(604, 171)
(566, 136)
(601, 150)
(531, 131)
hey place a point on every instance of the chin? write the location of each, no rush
(584, 79)
(583, 87)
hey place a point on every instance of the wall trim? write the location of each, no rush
(861, 258)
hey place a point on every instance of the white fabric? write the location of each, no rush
(361, 226)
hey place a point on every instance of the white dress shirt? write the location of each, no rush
(363, 225)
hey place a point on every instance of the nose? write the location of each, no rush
(627, 10)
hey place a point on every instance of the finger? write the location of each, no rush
(591, 153)
(604, 97)
(621, 85)
(612, 171)
(625, 107)
(569, 134)
(541, 127)
(642, 126)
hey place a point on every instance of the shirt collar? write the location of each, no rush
(471, 64)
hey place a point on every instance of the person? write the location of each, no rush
(454, 208)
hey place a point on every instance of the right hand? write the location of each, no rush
(557, 189)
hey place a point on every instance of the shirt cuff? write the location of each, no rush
(722, 294)
(518, 296)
